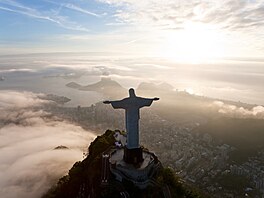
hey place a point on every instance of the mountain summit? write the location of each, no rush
(86, 178)
(106, 86)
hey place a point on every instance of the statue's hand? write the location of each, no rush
(156, 99)
(107, 102)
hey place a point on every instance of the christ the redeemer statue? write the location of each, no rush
(132, 105)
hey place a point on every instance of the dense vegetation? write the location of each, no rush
(85, 175)
(83, 179)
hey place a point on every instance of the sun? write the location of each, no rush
(196, 42)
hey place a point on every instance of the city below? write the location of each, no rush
(197, 158)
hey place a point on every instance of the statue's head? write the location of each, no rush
(132, 92)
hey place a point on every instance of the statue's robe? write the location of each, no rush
(132, 107)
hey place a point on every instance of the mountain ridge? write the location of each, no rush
(83, 179)
(106, 86)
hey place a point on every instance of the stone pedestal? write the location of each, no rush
(141, 173)
(133, 156)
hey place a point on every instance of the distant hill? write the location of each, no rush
(73, 85)
(144, 86)
(106, 86)
(61, 147)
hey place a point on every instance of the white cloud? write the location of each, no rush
(153, 65)
(16, 70)
(29, 165)
(172, 14)
(14, 99)
(239, 112)
(192, 30)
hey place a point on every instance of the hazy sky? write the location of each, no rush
(181, 30)
(215, 48)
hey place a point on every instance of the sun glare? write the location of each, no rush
(195, 43)
(189, 90)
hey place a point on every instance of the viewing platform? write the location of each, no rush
(140, 174)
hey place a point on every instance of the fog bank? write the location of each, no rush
(239, 112)
(29, 165)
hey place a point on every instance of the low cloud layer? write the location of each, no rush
(239, 112)
(29, 165)
(14, 99)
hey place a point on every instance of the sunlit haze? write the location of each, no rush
(223, 36)
(182, 30)
(60, 59)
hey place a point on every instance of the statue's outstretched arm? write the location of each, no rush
(118, 104)
(146, 102)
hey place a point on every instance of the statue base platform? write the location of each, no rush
(133, 156)
(140, 174)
